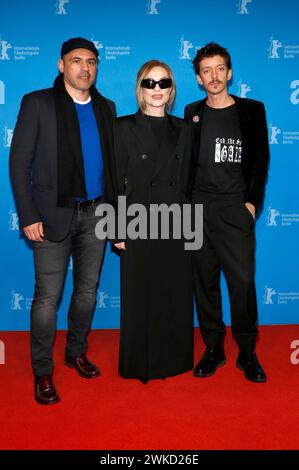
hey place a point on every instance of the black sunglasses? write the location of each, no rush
(150, 83)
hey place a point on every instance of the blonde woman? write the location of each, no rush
(154, 166)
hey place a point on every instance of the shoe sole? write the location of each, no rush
(81, 375)
(257, 381)
(203, 376)
(53, 402)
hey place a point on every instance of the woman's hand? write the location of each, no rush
(120, 246)
(251, 209)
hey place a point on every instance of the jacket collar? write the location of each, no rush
(146, 139)
(200, 104)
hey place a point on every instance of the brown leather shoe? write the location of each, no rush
(82, 365)
(45, 391)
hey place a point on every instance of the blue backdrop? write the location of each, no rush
(263, 39)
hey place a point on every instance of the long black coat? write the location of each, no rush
(157, 310)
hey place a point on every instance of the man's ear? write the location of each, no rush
(60, 65)
(229, 75)
(199, 80)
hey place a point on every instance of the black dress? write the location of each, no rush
(154, 165)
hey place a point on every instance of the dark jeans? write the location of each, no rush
(228, 244)
(51, 261)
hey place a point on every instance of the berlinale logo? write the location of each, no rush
(242, 7)
(184, 49)
(59, 7)
(4, 46)
(98, 45)
(7, 136)
(16, 298)
(272, 216)
(243, 89)
(102, 298)
(274, 131)
(269, 292)
(275, 44)
(151, 7)
(13, 221)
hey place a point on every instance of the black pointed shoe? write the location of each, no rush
(212, 358)
(249, 364)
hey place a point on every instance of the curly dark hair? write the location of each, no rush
(209, 50)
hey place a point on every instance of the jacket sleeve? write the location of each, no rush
(256, 190)
(112, 107)
(187, 112)
(188, 167)
(121, 161)
(21, 160)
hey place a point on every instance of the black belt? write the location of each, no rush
(84, 204)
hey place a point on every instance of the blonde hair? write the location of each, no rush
(143, 72)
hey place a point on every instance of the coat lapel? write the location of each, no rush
(196, 119)
(144, 136)
(101, 112)
(169, 144)
(103, 117)
(146, 141)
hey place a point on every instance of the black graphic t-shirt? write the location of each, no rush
(220, 152)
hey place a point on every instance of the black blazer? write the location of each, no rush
(255, 153)
(145, 175)
(33, 162)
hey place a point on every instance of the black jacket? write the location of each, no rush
(139, 175)
(33, 162)
(255, 153)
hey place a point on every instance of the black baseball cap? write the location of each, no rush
(78, 43)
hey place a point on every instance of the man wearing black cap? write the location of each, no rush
(62, 167)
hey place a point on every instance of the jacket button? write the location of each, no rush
(172, 183)
(144, 156)
(152, 183)
(177, 157)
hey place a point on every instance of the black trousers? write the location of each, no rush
(228, 244)
(51, 261)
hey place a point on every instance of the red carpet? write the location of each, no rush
(225, 411)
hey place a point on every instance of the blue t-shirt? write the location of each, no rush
(91, 150)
